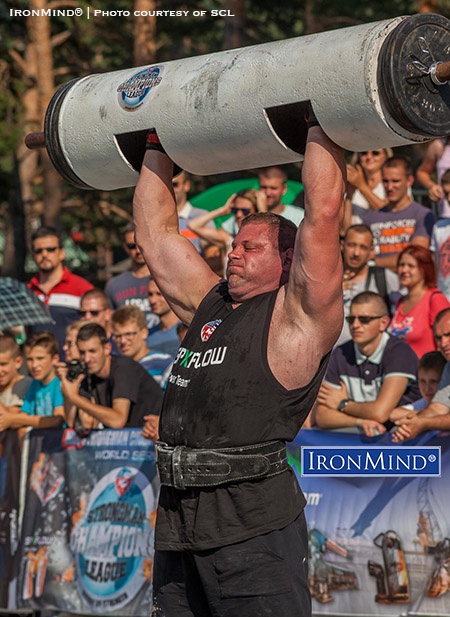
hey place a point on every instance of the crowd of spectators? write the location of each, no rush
(106, 359)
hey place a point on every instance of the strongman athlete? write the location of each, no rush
(231, 537)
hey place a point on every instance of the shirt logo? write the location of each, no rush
(209, 328)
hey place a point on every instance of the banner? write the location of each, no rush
(378, 545)
(87, 531)
(9, 507)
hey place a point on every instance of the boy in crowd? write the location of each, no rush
(13, 385)
(130, 333)
(429, 374)
(43, 406)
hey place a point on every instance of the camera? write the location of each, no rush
(75, 368)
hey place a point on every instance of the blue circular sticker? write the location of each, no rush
(134, 91)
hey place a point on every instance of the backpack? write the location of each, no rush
(380, 282)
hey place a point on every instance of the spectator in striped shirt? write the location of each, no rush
(130, 335)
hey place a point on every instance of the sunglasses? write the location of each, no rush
(245, 211)
(131, 246)
(49, 249)
(372, 152)
(92, 313)
(363, 319)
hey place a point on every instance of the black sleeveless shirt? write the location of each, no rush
(222, 393)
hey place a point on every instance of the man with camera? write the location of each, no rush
(107, 391)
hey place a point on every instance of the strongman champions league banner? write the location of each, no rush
(378, 545)
(88, 526)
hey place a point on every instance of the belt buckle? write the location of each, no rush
(177, 473)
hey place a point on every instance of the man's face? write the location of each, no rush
(274, 189)
(254, 263)
(356, 249)
(442, 336)
(364, 334)
(132, 250)
(47, 254)
(41, 363)
(93, 309)
(130, 339)
(95, 354)
(156, 300)
(428, 380)
(396, 183)
(8, 368)
(181, 188)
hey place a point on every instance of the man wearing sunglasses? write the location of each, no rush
(231, 534)
(368, 376)
(54, 284)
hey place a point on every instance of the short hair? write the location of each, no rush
(399, 161)
(99, 294)
(441, 315)
(432, 360)
(359, 228)
(126, 313)
(425, 261)
(47, 340)
(45, 232)
(370, 296)
(8, 344)
(273, 172)
(446, 177)
(283, 230)
(92, 330)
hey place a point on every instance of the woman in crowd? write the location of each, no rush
(416, 311)
(240, 205)
(365, 188)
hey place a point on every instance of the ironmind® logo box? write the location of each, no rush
(371, 461)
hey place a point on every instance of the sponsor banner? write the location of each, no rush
(88, 525)
(9, 507)
(370, 461)
(378, 545)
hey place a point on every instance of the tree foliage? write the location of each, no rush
(81, 46)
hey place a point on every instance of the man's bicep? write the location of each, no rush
(181, 273)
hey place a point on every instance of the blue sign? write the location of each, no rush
(371, 461)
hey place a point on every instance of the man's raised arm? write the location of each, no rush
(314, 290)
(180, 272)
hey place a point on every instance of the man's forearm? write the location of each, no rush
(328, 418)
(369, 411)
(106, 415)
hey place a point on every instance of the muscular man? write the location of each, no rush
(231, 535)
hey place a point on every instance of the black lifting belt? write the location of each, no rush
(183, 467)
